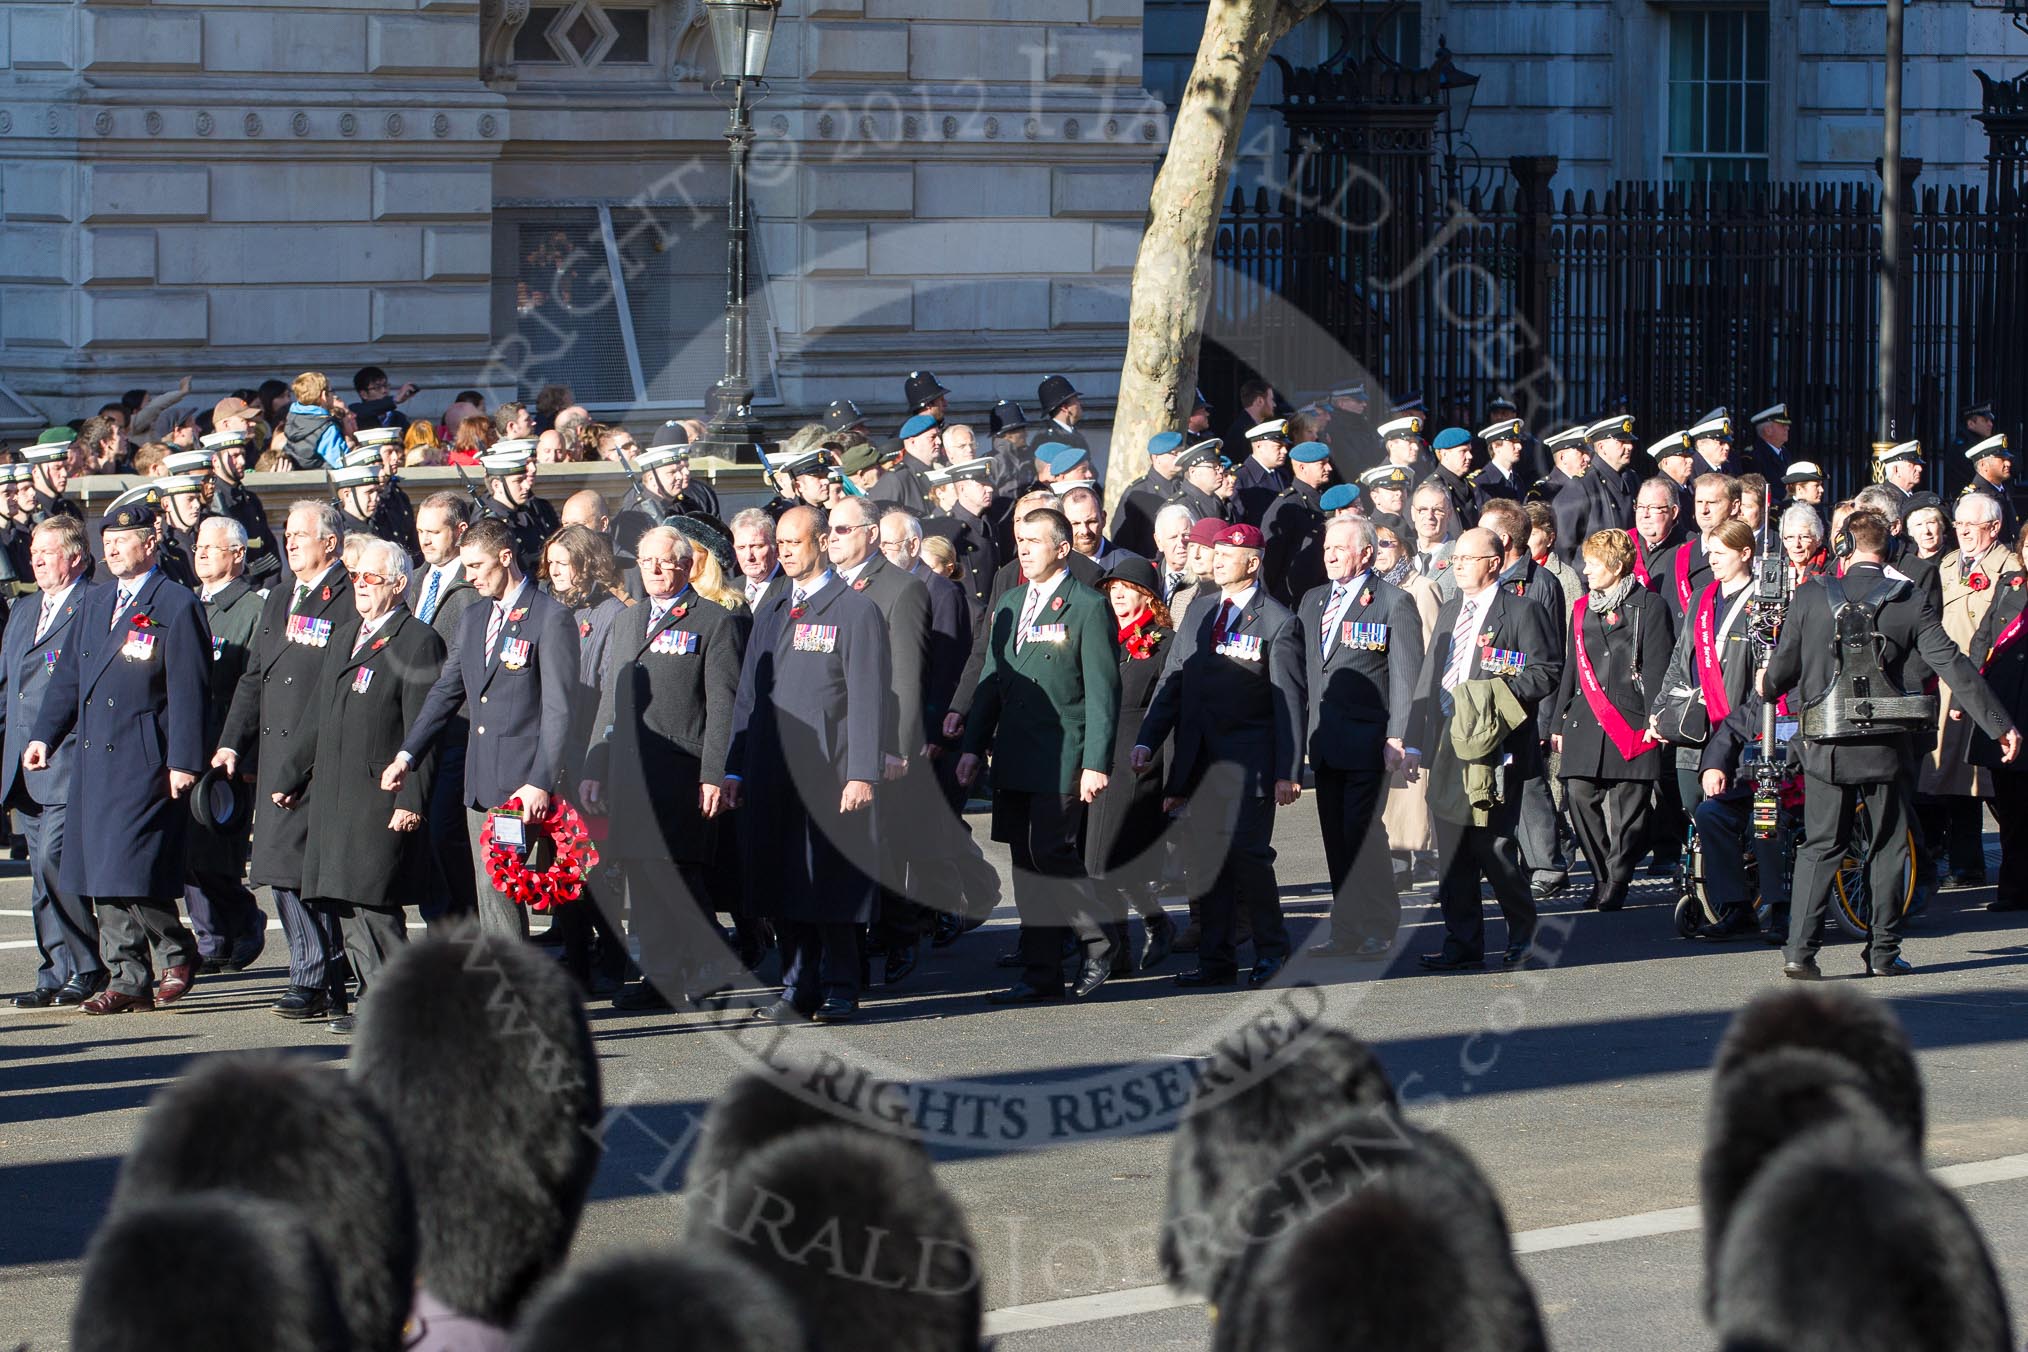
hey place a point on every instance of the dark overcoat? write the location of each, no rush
(272, 701)
(360, 712)
(1641, 632)
(664, 726)
(234, 615)
(1512, 624)
(135, 696)
(2005, 667)
(1125, 820)
(904, 607)
(808, 720)
(25, 669)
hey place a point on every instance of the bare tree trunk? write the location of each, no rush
(1172, 271)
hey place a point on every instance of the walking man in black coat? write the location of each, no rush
(439, 595)
(1364, 642)
(1232, 696)
(1876, 769)
(514, 671)
(1484, 633)
(132, 687)
(656, 765)
(367, 855)
(66, 931)
(231, 929)
(273, 697)
(808, 747)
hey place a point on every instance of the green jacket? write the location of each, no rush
(1461, 774)
(1053, 701)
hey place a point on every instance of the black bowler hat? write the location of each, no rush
(221, 801)
(921, 390)
(1135, 571)
(1053, 393)
(1006, 416)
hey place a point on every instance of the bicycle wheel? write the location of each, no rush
(1694, 905)
(1851, 894)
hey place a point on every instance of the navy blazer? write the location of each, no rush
(1360, 692)
(135, 696)
(520, 714)
(1247, 710)
(26, 665)
(1515, 624)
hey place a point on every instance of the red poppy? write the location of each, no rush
(514, 615)
(1056, 604)
(679, 612)
(859, 584)
(1977, 582)
(584, 628)
(1613, 617)
(327, 594)
(795, 612)
(378, 644)
(1366, 597)
(142, 622)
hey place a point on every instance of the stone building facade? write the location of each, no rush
(504, 193)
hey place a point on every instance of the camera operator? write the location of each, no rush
(1852, 752)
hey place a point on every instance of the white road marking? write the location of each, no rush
(1674, 1220)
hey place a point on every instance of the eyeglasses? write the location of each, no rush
(373, 579)
(1482, 558)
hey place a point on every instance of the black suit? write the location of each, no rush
(518, 698)
(66, 931)
(1541, 843)
(978, 560)
(1609, 499)
(663, 728)
(1878, 771)
(1292, 561)
(1361, 674)
(1469, 852)
(272, 701)
(448, 836)
(1238, 707)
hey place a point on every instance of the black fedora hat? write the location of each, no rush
(221, 800)
(1135, 571)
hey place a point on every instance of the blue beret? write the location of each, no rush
(916, 426)
(1310, 452)
(1449, 437)
(1066, 458)
(1340, 496)
(1165, 443)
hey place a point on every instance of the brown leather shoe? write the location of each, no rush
(175, 982)
(115, 1002)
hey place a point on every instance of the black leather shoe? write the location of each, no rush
(42, 997)
(1542, 889)
(781, 1011)
(1896, 966)
(1090, 976)
(835, 1010)
(1160, 941)
(77, 990)
(902, 962)
(1264, 971)
(344, 1023)
(1208, 976)
(949, 928)
(1806, 970)
(1611, 899)
(641, 998)
(211, 966)
(1450, 962)
(300, 1002)
(245, 952)
(1021, 993)
(1735, 925)
(1513, 955)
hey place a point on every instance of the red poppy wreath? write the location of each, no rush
(557, 842)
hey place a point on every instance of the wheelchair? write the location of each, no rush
(1851, 894)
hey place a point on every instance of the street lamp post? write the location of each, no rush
(741, 31)
(1456, 88)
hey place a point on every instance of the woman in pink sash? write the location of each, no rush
(1614, 664)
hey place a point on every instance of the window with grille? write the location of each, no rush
(625, 304)
(1718, 95)
(585, 35)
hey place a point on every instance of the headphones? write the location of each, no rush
(1842, 544)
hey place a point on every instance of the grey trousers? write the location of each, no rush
(66, 931)
(134, 930)
(1540, 848)
(371, 935)
(314, 941)
(498, 914)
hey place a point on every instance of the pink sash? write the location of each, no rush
(1710, 666)
(1625, 739)
(1641, 563)
(1683, 574)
